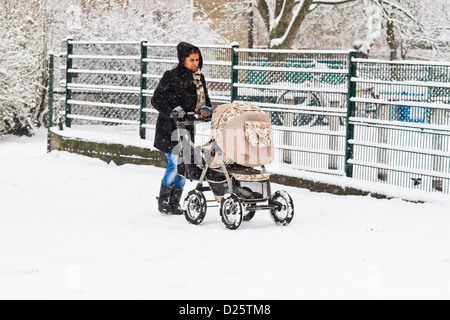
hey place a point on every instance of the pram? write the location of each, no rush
(242, 141)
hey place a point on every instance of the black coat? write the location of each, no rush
(176, 88)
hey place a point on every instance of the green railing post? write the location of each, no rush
(51, 59)
(351, 111)
(142, 97)
(69, 65)
(234, 73)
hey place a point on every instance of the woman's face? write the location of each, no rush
(192, 62)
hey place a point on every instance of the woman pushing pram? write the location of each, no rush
(232, 163)
(181, 91)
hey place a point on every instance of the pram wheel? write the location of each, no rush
(196, 207)
(231, 211)
(250, 214)
(285, 212)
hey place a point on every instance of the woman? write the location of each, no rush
(181, 90)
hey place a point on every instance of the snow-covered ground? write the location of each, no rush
(73, 227)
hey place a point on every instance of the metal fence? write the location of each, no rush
(103, 85)
(399, 131)
(332, 113)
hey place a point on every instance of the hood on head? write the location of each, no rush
(183, 48)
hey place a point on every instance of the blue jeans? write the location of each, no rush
(171, 177)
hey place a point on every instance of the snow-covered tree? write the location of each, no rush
(139, 19)
(414, 23)
(283, 18)
(402, 25)
(396, 27)
(23, 53)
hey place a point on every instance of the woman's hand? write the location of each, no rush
(206, 112)
(178, 113)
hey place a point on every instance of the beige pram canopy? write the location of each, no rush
(243, 132)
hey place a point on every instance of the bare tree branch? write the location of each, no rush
(283, 21)
(331, 2)
(263, 9)
(396, 6)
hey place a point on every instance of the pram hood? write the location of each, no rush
(244, 133)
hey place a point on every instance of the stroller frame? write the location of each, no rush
(236, 203)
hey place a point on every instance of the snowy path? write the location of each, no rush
(75, 227)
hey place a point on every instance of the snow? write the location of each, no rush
(404, 62)
(119, 137)
(73, 227)
(289, 51)
(130, 122)
(277, 69)
(400, 124)
(389, 191)
(77, 56)
(106, 42)
(200, 46)
(288, 88)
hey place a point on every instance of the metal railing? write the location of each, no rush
(332, 113)
(102, 86)
(400, 132)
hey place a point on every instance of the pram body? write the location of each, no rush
(232, 165)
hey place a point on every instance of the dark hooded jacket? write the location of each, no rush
(176, 88)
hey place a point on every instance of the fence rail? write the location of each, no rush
(332, 113)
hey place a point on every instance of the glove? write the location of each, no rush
(206, 112)
(177, 113)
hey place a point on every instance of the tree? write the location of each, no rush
(373, 19)
(23, 52)
(283, 18)
(414, 23)
(407, 24)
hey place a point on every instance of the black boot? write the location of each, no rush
(164, 199)
(174, 203)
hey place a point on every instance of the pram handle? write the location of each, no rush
(191, 118)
